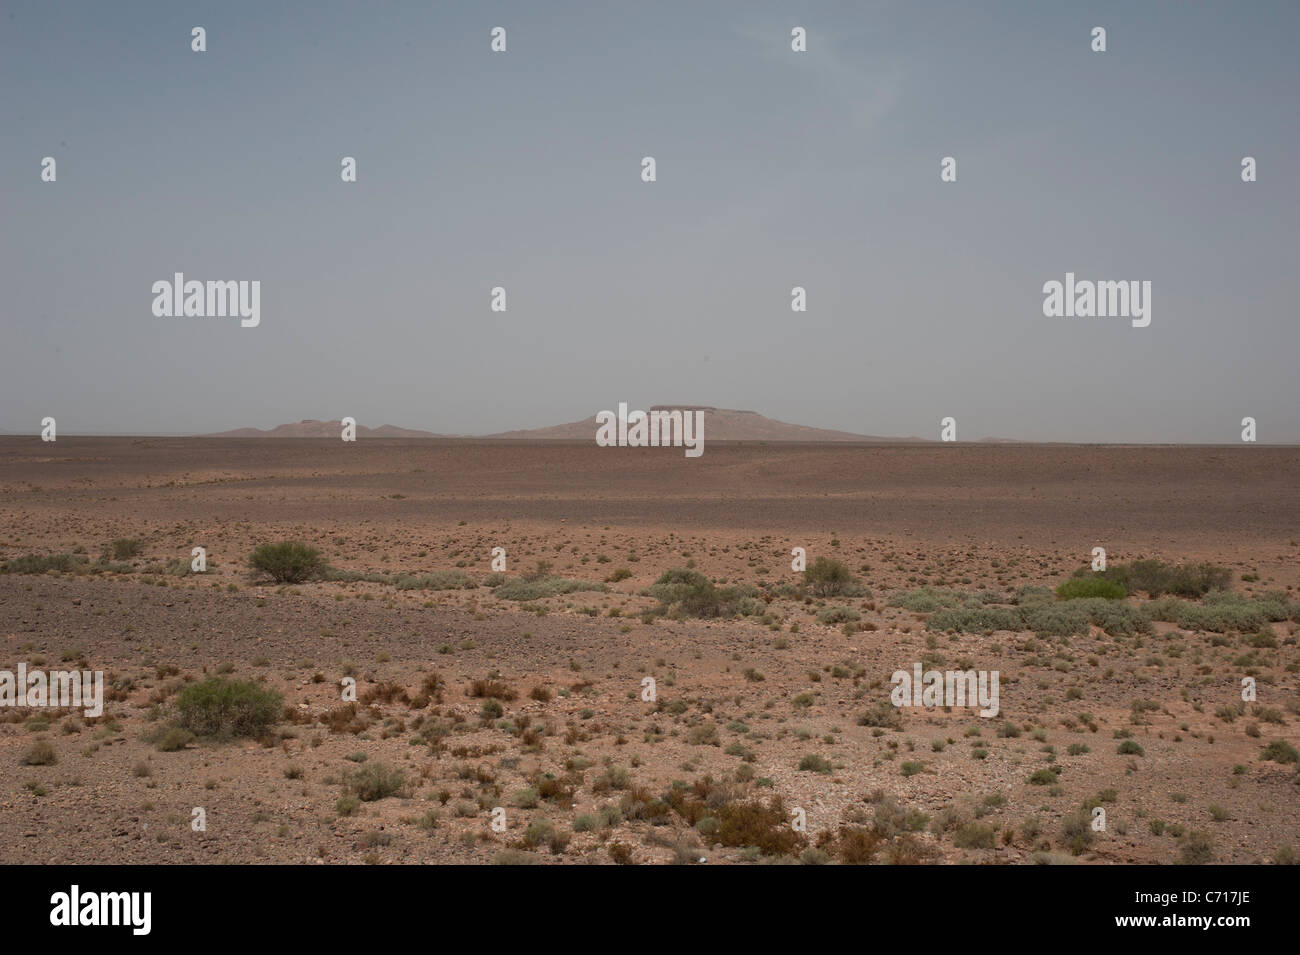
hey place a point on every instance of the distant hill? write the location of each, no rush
(720, 424)
(311, 428)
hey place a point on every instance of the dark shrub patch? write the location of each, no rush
(288, 562)
(221, 707)
(754, 824)
(1091, 587)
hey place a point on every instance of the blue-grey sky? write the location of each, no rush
(775, 169)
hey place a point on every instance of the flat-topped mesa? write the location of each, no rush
(699, 408)
(661, 427)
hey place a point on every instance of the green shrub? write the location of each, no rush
(1157, 578)
(815, 764)
(1117, 618)
(974, 835)
(1091, 587)
(174, 740)
(1072, 618)
(1263, 639)
(288, 562)
(375, 781)
(927, 599)
(1196, 849)
(39, 564)
(1076, 831)
(225, 708)
(692, 594)
(827, 578)
(1220, 612)
(544, 587)
(1034, 611)
(526, 798)
(124, 548)
(1033, 595)
(353, 576)
(976, 620)
(1280, 751)
(883, 715)
(40, 753)
(1130, 747)
(1069, 619)
(438, 580)
(539, 830)
(833, 615)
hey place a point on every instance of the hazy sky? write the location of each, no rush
(775, 169)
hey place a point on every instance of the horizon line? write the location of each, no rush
(878, 440)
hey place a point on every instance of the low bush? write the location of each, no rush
(375, 781)
(813, 763)
(833, 615)
(974, 835)
(288, 562)
(976, 620)
(1091, 587)
(124, 548)
(691, 594)
(1076, 832)
(42, 564)
(764, 826)
(1280, 751)
(1197, 849)
(438, 580)
(1157, 578)
(857, 845)
(538, 588)
(226, 708)
(828, 578)
(928, 599)
(40, 753)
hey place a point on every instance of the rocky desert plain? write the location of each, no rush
(506, 717)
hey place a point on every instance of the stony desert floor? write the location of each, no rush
(474, 698)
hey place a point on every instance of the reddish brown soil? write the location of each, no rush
(966, 516)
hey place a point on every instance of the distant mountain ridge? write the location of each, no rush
(311, 428)
(720, 424)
